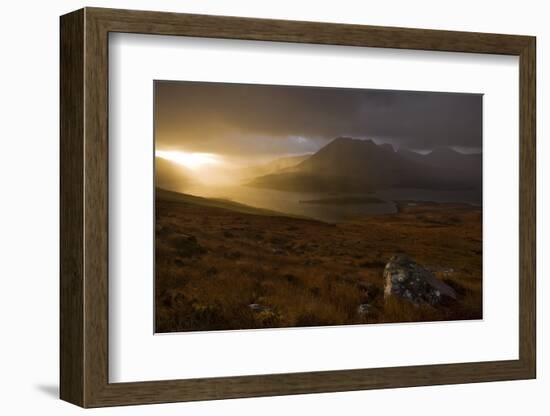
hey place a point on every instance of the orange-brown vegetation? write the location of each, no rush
(220, 269)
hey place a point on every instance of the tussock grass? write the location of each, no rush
(212, 263)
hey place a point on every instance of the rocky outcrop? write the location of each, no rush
(408, 280)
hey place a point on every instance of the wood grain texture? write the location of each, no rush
(162, 23)
(96, 217)
(527, 208)
(72, 215)
(84, 207)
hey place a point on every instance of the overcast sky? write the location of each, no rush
(244, 119)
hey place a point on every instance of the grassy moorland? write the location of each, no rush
(221, 265)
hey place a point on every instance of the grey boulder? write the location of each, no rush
(406, 279)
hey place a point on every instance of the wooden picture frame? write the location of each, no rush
(84, 207)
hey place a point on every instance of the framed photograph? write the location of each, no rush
(257, 207)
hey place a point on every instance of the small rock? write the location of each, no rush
(363, 309)
(256, 307)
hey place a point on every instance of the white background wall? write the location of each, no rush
(29, 209)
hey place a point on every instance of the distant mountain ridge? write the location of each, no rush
(353, 165)
(467, 167)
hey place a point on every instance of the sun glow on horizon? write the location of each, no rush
(190, 160)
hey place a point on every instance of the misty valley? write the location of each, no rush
(344, 179)
(355, 232)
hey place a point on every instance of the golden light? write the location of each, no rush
(188, 159)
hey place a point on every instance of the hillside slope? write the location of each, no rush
(352, 165)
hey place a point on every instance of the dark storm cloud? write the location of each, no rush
(203, 115)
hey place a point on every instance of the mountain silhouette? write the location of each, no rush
(454, 167)
(353, 165)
